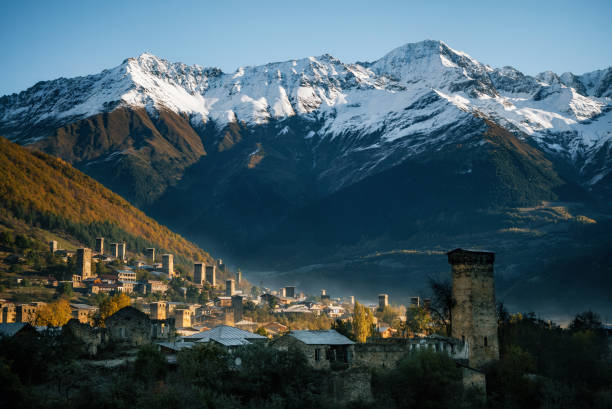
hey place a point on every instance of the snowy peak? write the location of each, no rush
(596, 83)
(435, 64)
(410, 91)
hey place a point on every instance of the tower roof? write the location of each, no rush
(459, 256)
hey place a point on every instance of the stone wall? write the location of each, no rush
(473, 379)
(351, 385)
(386, 353)
(93, 337)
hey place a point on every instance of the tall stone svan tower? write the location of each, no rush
(474, 317)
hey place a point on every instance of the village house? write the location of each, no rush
(275, 328)
(322, 348)
(126, 275)
(83, 313)
(98, 287)
(129, 326)
(153, 286)
(334, 311)
(223, 301)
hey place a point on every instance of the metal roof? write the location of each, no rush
(83, 306)
(231, 342)
(175, 346)
(224, 332)
(328, 337)
(10, 329)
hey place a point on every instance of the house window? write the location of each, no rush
(462, 338)
(317, 354)
(486, 342)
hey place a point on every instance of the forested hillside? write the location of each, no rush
(49, 193)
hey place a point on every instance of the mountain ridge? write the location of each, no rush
(294, 162)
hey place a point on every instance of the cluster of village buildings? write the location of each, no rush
(174, 326)
(226, 302)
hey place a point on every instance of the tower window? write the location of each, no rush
(486, 343)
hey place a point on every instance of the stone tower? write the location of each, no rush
(150, 255)
(83, 262)
(168, 265)
(198, 273)
(290, 291)
(211, 275)
(114, 250)
(237, 307)
(53, 246)
(229, 288)
(383, 301)
(474, 318)
(121, 248)
(100, 245)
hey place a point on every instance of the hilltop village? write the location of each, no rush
(232, 317)
(112, 313)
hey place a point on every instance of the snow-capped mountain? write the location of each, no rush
(311, 158)
(365, 117)
(412, 91)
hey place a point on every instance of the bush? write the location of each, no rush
(423, 379)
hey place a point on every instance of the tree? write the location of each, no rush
(419, 321)
(66, 291)
(423, 379)
(54, 314)
(150, 364)
(111, 305)
(362, 322)
(586, 321)
(442, 303)
(344, 328)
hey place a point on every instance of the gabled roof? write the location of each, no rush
(83, 306)
(230, 342)
(328, 337)
(127, 312)
(224, 332)
(11, 328)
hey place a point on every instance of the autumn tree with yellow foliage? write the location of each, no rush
(362, 322)
(47, 191)
(111, 305)
(55, 314)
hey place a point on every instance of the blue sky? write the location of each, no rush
(48, 39)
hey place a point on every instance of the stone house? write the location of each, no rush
(275, 328)
(83, 313)
(154, 286)
(323, 349)
(27, 312)
(163, 328)
(182, 317)
(129, 326)
(9, 313)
